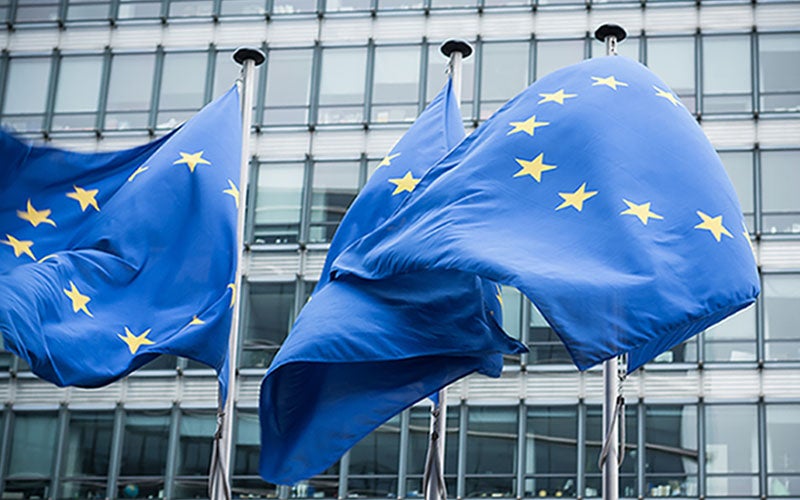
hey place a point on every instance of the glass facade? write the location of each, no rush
(330, 99)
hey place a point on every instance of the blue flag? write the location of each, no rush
(362, 351)
(108, 260)
(595, 193)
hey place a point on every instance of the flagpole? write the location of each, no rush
(433, 480)
(610, 34)
(219, 476)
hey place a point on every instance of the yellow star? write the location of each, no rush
(192, 160)
(233, 191)
(528, 126)
(135, 342)
(666, 95)
(20, 246)
(714, 225)
(534, 167)
(196, 321)
(137, 172)
(34, 216)
(387, 160)
(406, 183)
(232, 286)
(576, 199)
(499, 294)
(609, 81)
(79, 300)
(641, 211)
(556, 97)
(85, 197)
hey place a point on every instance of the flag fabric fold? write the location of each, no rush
(361, 351)
(595, 193)
(108, 260)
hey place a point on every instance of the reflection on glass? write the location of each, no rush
(293, 6)
(400, 4)
(733, 339)
(32, 449)
(288, 87)
(36, 11)
(88, 10)
(196, 438)
(504, 73)
(77, 92)
(779, 72)
(141, 9)
(672, 59)
(671, 450)
(491, 451)
(781, 298)
(231, 8)
(783, 450)
(226, 71)
(739, 166)
(727, 84)
(731, 448)
(551, 452)
(341, 99)
(437, 77)
(594, 444)
(374, 464)
(128, 99)
(419, 437)
(88, 445)
(334, 187)
(144, 448)
(183, 83)
(347, 5)
(26, 93)
(277, 217)
(270, 308)
(395, 91)
(780, 176)
(443, 4)
(545, 346)
(554, 54)
(190, 8)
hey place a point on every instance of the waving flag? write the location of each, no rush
(108, 260)
(362, 351)
(597, 195)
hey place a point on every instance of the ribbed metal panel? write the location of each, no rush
(670, 19)
(778, 16)
(5, 390)
(506, 25)
(94, 38)
(109, 394)
(346, 30)
(485, 390)
(187, 35)
(248, 390)
(632, 19)
(671, 385)
(281, 145)
(552, 387)
(728, 134)
(231, 35)
(591, 388)
(448, 24)
(292, 32)
(32, 390)
(776, 255)
(137, 37)
(381, 141)
(560, 23)
(730, 384)
(275, 265)
(313, 263)
(401, 27)
(338, 143)
(726, 18)
(143, 390)
(779, 132)
(199, 390)
(33, 40)
(781, 384)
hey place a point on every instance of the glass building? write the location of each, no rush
(717, 417)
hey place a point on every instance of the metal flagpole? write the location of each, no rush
(219, 476)
(433, 480)
(612, 403)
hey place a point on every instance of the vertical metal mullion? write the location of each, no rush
(55, 64)
(757, 198)
(522, 436)
(761, 410)
(641, 445)
(4, 63)
(299, 294)
(701, 448)
(113, 13)
(402, 468)
(156, 89)
(344, 472)
(116, 451)
(761, 341)
(698, 73)
(532, 59)
(261, 89)
(423, 75)
(63, 421)
(5, 450)
(363, 171)
(316, 72)
(172, 452)
(754, 63)
(369, 80)
(12, 16)
(211, 66)
(306, 199)
(525, 327)
(62, 12)
(462, 451)
(477, 103)
(102, 100)
(581, 448)
(244, 320)
(249, 199)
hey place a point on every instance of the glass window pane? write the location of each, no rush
(243, 8)
(731, 441)
(781, 297)
(727, 85)
(248, 444)
(512, 311)
(418, 439)
(288, 86)
(226, 71)
(779, 72)
(144, 447)
(671, 450)
(182, 87)
(36, 11)
(437, 77)
(491, 451)
(293, 6)
(26, 92)
(783, 449)
(145, 9)
(673, 60)
(270, 308)
(78, 84)
(733, 339)
(780, 176)
(190, 8)
(196, 438)
(395, 93)
(33, 445)
(347, 5)
(551, 451)
(88, 445)
(374, 462)
(739, 166)
(545, 346)
(594, 444)
(341, 93)
(504, 73)
(554, 54)
(334, 187)
(278, 200)
(128, 97)
(87, 11)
